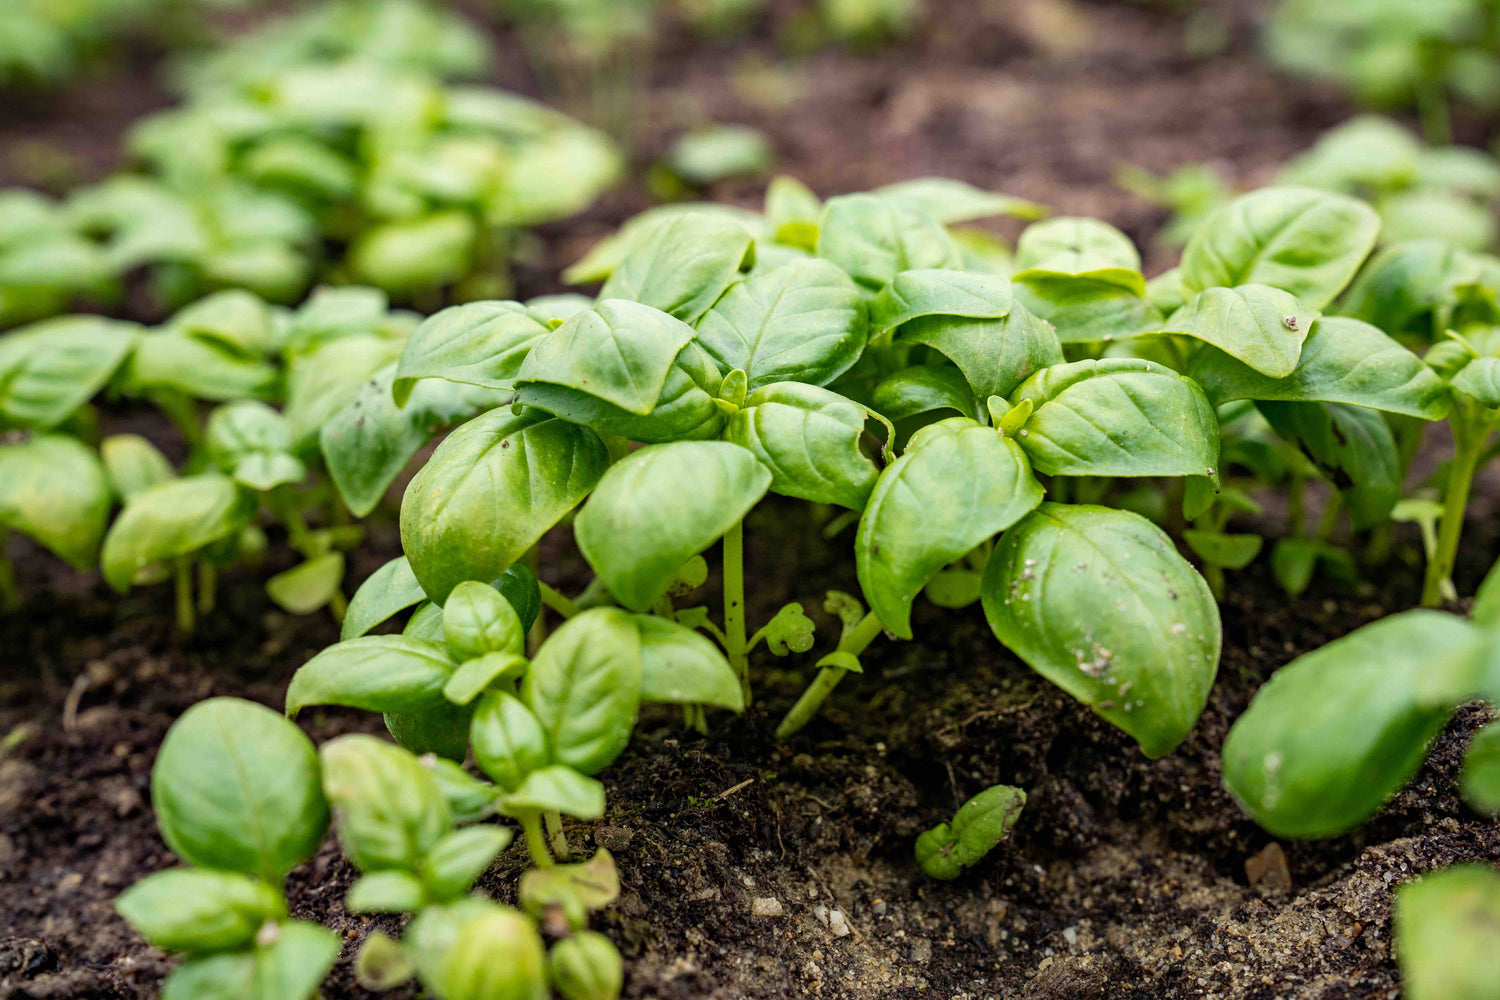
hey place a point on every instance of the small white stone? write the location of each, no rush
(765, 906)
(837, 923)
(1070, 935)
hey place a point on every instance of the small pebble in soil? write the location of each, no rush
(1267, 871)
(613, 838)
(765, 906)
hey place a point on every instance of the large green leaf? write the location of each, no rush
(585, 687)
(1352, 446)
(201, 367)
(1085, 308)
(1447, 930)
(1262, 326)
(683, 265)
(1100, 603)
(50, 369)
(874, 239)
(175, 518)
(958, 484)
(235, 786)
(322, 379)
(53, 489)
(682, 666)
(1306, 242)
(921, 389)
(995, 355)
(626, 369)
(1343, 361)
(938, 292)
(1405, 283)
(1339, 730)
(389, 809)
(801, 322)
(379, 673)
(368, 442)
(1080, 248)
(479, 343)
(1118, 417)
(661, 505)
(809, 438)
(491, 489)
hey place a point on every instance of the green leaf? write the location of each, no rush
(1479, 380)
(379, 673)
(479, 343)
(388, 809)
(585, 686)
(295, 963)
(508, 739)
(1306, 242)
(204, 369)
(1088, 307)
(1118, 417)
(50, 369)
(1480, 779)
(368, 442)
(1404, 284)
(309, 585)
(386, 892)
(493, 953)
(1080, 248)
(1486, 609)
(557, 788)
(1100, 603)
(683, 265)
(172, 519)
(410, 255)
(950, 201)
(389, 590)
(810, 440)
(681, 666)
(874, 239)
(586, 966)
(577, 888)
(235, 318)
(456, 862)
(469, 798)
(1447, 928)
(235, 786)
(625, 369)
(440, 728)
(227, 975)
(995, 355)
(1339, 730)
(381, 963)
(1262, 326)
(934, 292)
(491, 489)
(789, 630)
(477, 620)
(661, 505)
(978, 827)
(132, 464)
(324, 378)
(801, 322)
(53, 489)
(426, 622)
(1343, 361)
(1226, 551)
(473, 676)
(1352, 446)
(958, 484)
(922, 389)
(199, 909)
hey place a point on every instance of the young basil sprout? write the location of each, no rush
(947, 850)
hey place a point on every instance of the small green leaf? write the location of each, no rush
(585, 686)
(478, 343)
(53, 489)
(661, 505)
(1480, 779)
(295, 963)
(469, 680)
(557, 788)
(409, 255)
(1447, 928)
(509, 741)
(958, 484)
(235, 786)
(490, 490)
(1100, 603)
(1080, 247)
(923, 389)
(1351, 445)
(309, 585)
(1226, 551)
(874, 239)
(390, 589)
(133, 464)
(1339, 730)
(810, 440)
(440, 729)
(456, 862)
(382, 964)
(469, 798)
(201, 368)
(995, 354)
(978, 827)
(386, 892)
(223, 976)
(683, 265)
(379, 673)
(683, 667)
(493, 953)
(388, 809)
(51, 368)
(950, 201)
(936, 292)
(199, 909)
(586, 966)
(790, 631)
(171, 519)
(577, 888)
(1262, 326)
(477, 620)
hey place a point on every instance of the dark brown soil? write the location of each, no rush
(1126, 878)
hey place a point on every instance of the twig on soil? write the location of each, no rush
(730, 791)
(985, 714)
(70, 704)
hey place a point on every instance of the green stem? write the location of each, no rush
(10, 594)
(555, 834)
(558, 602)
(182, 575)
(284, 504)
(208, 579)
(1295, 514)
(1469, 438)
(855, 641)
(1330, 519)
(183, 413)
(338, 605)
(1214, 577)
(536, 840)
(1432, 109)
(734, 605)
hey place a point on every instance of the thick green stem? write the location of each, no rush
(558, 602)
(556, 836)
(208, 578)
(10, 594)
(1469, 438)
(182, 576)
(855, 641)
(536, 840)
(736, 645)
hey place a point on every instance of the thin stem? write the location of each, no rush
(338, 605)
(208, 579)
(854, 641)
(558, 602)
(183, 413)
(1295, 514)
(10, 594)
(536, 841)
(1432, 109)
(1469, 438)
(1214, 577)
(182, 575)
(734, 605)
(559, 839)
(1330, 519)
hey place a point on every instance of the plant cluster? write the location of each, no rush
(354, 170)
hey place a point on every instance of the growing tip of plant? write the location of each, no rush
(734, 387)
(1012, 419)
